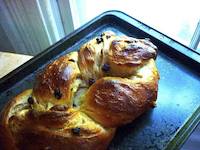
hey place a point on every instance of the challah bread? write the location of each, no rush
(80, 99)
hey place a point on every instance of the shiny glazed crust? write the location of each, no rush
(114, 101)
(79, 100)
(58, 75)
(25, 128)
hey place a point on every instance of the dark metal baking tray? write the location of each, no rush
(166, 126)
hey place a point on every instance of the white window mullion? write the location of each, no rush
(36, 29)
(43, 21)
(74, 12)
(56, 19)
(49, 12)
(196, 37)
(66, 15)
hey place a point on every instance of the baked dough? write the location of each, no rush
(80, 99)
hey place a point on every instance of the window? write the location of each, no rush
(30, 27)
(178, 19)
(198, 48)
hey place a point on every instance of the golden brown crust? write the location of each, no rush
(55, 137)
(7, 141)
(80, 99)
(54, 84)
(130, 51)
(128, 54)
(33, 129)
(43, 139)
(114, 101)
(93, 55)
(14, 105)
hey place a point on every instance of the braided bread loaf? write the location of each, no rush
(80, 99)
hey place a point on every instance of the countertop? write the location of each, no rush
(10, 61)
